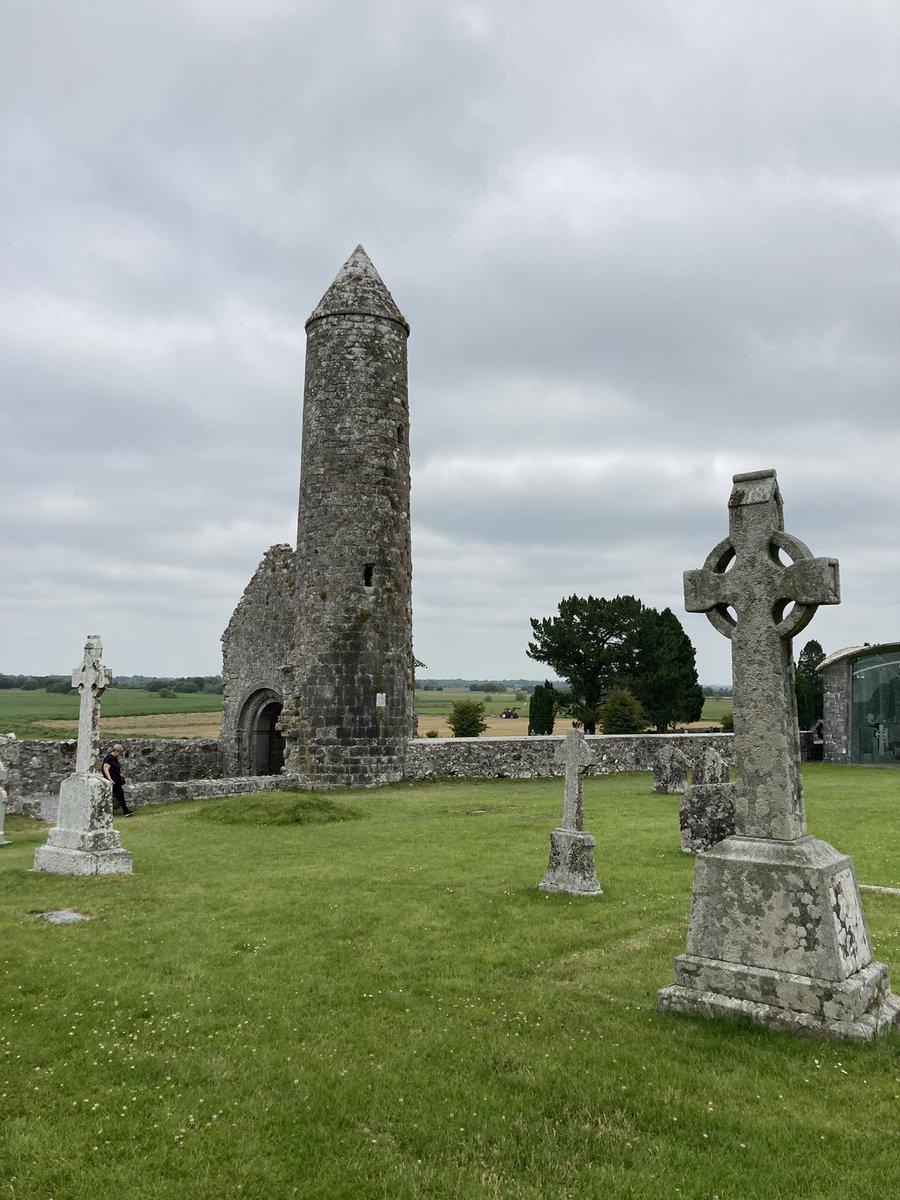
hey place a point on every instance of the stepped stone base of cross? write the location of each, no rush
(571, 867)
(83, 841)
(777, 935)
(777, 932)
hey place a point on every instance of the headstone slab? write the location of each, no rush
(706, 815)
(709, 767)
(670, 768)
(777, 932)
(571, 868)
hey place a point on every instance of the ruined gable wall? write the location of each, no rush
(255, 647)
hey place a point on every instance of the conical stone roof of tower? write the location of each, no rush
(358, 289)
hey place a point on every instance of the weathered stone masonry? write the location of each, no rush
(255, 648)
(348, 711)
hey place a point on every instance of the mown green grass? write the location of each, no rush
(387, 1007)
(26, 713)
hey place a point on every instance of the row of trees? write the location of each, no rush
(62, 684)
(622, 654)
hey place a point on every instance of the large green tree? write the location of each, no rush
(598, 644)
(809, 686)
(590, 643)
(664, 677)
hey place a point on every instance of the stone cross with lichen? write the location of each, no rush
(760, 602)
(576, 757)
(92, 679)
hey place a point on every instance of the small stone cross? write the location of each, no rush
(576, 757)
(745, 573)
(92, 679)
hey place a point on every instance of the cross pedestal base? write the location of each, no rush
(777, 935)
(868, 990)
(63, 861)
(84, 841)
(571, 867)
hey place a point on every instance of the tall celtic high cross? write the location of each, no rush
(760, 602)
(92, 679)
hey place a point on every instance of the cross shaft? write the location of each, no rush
(91, 678)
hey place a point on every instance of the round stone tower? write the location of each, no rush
(348, 694)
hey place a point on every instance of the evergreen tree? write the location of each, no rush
(665, 671)
(622, 713)
(809, 686)
(590, 644)
(541, 709)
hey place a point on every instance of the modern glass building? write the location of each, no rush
(862, 705)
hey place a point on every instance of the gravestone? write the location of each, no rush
(83, 841)
(571, 867)
(706, 812)
(776, 931)
(670, 768)
(4, 775)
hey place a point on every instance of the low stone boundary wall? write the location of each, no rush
(169, 791)
(533, 757)
(160, 770)
(38, 766)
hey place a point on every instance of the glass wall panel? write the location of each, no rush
(875, 708)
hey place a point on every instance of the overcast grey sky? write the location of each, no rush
(642, 245)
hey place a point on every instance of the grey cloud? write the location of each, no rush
(658, 236)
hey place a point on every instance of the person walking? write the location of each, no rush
(112, 770)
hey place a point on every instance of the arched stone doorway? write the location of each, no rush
(261, 742)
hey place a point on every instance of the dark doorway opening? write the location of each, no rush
(268, 741)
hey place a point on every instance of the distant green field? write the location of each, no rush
(716, 707)
(25, 713)
(438, 704)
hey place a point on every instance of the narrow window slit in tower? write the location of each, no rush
(368, 574)
(399, 435)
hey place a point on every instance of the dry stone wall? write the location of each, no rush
(160, 771)
(534, 757)
(38, 767)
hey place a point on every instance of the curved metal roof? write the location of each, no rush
(859, 652)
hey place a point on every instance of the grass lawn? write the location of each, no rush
(282, 1004)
